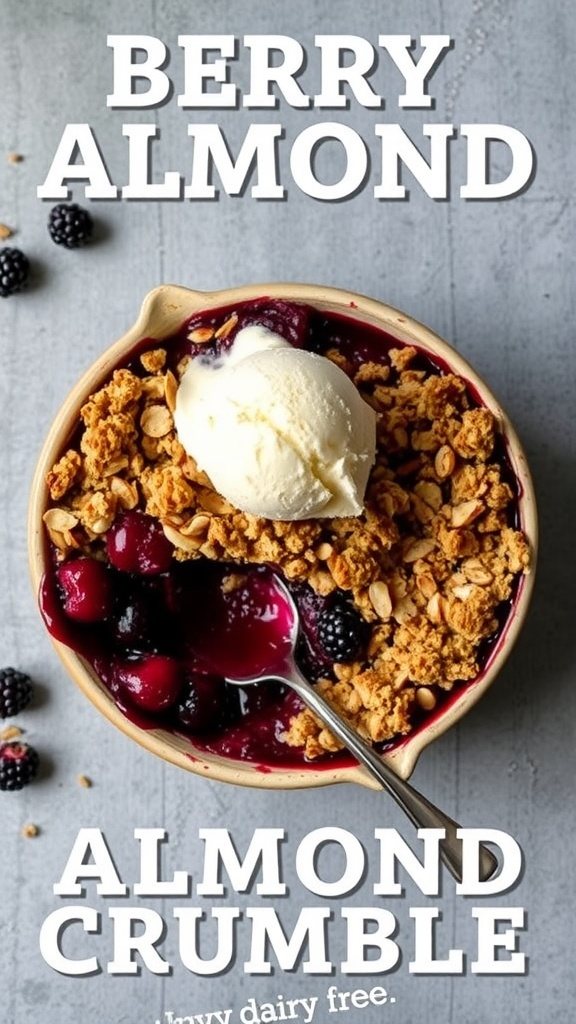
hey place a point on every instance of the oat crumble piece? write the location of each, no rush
(154, 361)
(11, 732)
(64, 474)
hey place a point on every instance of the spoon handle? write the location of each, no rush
(421, 812)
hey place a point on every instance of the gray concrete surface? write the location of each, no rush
(495, 279)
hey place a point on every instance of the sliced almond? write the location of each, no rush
(70, 539)
(189, 544)
(475, 571)
(435, 609)
(229, 325)
(197, 526)
(444, 462)
(426, 585)
(211, 501)
(60, 519)
(201, 335)
(59, 540)
(463, 592)
(156, 421)
(380, 599)
(419, 549)
(426, 698)
(170, 390)
(127, 493)
(175, 519)
(466, 512)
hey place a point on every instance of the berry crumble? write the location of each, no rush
(400, 605)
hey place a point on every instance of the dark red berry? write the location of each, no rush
(15, 692)
(134, 625)
(86, 589)
(137, 543)
(153, 682)
(18, 765)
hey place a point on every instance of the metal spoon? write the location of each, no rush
(421, 812)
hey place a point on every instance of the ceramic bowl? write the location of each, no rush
(162, 313)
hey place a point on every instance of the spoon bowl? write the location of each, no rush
(283, 669)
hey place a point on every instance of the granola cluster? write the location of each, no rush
(428, 563)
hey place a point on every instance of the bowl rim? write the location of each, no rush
(163, 311)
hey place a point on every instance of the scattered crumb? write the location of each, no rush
(12, 732)
(30, 831)
(5, 232)
(84, 781)
(15, 158)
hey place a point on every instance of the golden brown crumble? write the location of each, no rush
(427, 563)
(12, 732)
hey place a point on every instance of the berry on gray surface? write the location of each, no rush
(70, 225)
(15, 692)
(341, 631)
(18, 765)
(14, 269)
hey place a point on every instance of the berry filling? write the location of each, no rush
(175, 594)
(137, 543)
(86, 588)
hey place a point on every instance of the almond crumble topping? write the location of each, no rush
(428, 563)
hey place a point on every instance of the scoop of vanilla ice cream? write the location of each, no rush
(281, 432)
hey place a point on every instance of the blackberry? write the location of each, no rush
(70, 225)
(341, 631)
(18, 765)
(15, 692)
(14, 269)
